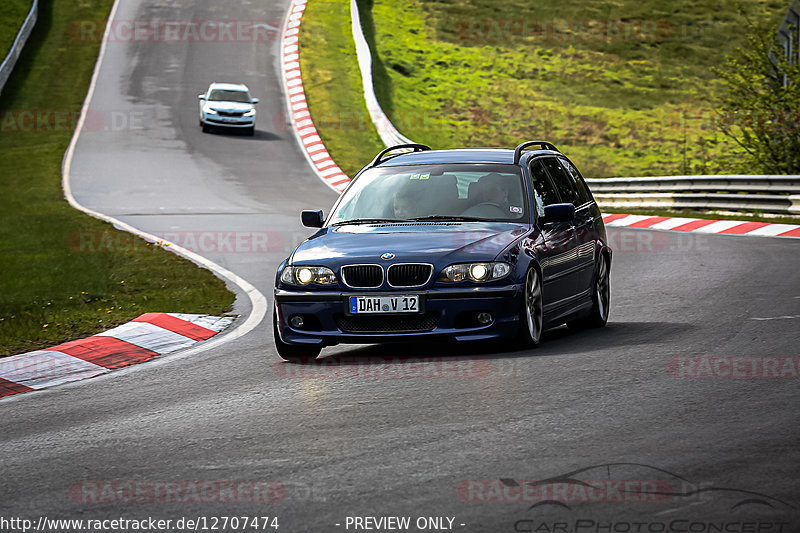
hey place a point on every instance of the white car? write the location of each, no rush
(228, 105)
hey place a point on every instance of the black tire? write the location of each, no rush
(250, 131)
(293, 353)
(601, 298)
(206, 128)
(531, 316)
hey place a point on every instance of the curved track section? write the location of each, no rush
(407, 430)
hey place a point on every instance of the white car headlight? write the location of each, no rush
(474, 272)
(478, 272)
(305, 275)
(250, 113)
(209, 110)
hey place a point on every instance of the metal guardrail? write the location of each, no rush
(388, 133)
(768, 194)
(19, 42)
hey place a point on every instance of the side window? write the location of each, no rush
(583, 191)
(542, 186)
(562, 181)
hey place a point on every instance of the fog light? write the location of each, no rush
(297, 322)
(484, 318)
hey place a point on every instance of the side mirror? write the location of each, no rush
(558, 213)
(312, 218)
(255, 100)
(201, 97)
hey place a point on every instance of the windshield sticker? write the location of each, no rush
(515, 209)
(420, 176)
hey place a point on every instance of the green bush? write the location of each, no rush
(760, 104)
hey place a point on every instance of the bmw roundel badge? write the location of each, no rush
(387, 256)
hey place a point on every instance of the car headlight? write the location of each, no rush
(250, 113)
(305, 275)
(475, 272)
(209, 110)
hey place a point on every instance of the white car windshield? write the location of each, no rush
(225, 95)
(455, 191)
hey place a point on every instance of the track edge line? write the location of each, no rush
(258, 301)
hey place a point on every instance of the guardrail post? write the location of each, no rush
(795, 207)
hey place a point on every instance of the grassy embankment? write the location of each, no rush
(637, 102)
(332, 82)
(11, 18)
(52, 289)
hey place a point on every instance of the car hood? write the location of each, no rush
(436, 243)
(240, 107)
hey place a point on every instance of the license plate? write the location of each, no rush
(229, 120)
(362, 305)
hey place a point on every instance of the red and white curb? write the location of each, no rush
(299, 116)
(142, 339)
(700, 225)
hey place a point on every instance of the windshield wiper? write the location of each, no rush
(451, 218)
(366, 221)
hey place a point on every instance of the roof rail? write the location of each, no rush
(413, 146)
(544, 144)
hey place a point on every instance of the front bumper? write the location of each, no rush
(447, 315)
(229, 122)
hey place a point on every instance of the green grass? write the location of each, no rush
(332, 82)
(51, 290)
(11, 18)
(633, 106)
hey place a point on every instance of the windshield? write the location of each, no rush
(224, 95)
(451, 191)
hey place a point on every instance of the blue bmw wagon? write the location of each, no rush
(462, 244)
